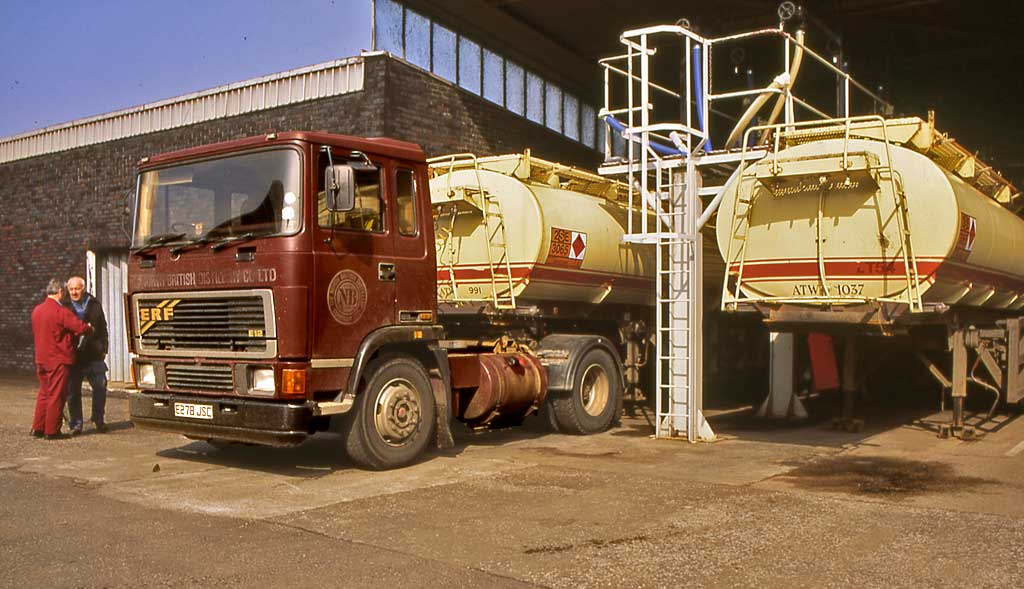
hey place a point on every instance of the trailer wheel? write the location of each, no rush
(591, 404)
(394, 416)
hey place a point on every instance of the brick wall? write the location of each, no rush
(443, 119)
(57, 206)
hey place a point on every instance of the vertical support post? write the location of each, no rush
(959, 375)
(694, 292)
(645, 136)
(789, 86)
(630, 161)
(1013, 360)
(705, 84)
(848, 390)
(689, 93)
(782, 400)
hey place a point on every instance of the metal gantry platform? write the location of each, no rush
(671, 168)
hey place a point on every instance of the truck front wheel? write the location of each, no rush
(394, 416)
(595, 396)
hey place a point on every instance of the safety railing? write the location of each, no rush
(663, 122)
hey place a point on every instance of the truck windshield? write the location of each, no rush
(255, 193)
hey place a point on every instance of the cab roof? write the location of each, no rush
(384, 146)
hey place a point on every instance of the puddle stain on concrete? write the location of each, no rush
(880, 476)
(595, 543)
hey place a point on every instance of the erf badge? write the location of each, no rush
(346, 297)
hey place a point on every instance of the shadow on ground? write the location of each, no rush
(318, 456)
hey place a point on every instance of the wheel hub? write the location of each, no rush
(397, 414)
(594, 390)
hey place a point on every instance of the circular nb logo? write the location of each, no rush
(346, 297)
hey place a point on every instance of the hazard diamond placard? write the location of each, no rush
(567, 249)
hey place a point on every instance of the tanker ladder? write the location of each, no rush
(498, 263)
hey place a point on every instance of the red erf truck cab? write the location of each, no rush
(286, 284)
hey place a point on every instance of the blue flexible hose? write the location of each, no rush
(659, 148)
(698, 87)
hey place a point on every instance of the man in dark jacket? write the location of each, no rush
(89, 362)
(55, 331)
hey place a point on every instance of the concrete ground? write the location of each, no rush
(767, 505)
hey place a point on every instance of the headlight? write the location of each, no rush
(262, 380)
(146, 375)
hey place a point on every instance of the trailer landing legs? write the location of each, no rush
(848, 389)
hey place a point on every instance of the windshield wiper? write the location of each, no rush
(154, 241)
(191, 244)
(223, 243)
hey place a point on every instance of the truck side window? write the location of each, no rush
(406, 192)
(366, 215)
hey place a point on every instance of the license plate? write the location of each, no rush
(193, 411)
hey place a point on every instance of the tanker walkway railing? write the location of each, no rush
(499, 267)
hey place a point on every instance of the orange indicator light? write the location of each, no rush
(293, 382)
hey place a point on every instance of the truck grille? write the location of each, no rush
(220, 325)
(206, 377)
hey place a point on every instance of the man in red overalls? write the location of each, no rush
(56, 332)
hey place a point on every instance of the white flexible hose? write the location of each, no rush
(794, 69)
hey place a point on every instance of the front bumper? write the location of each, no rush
(239, 420)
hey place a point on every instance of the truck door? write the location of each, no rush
(415, 267)
(354, 291)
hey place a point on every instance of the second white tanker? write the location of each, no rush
(848, 220)
(882, 226)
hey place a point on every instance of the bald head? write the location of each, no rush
(76, 288)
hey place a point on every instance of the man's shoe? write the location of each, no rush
(76, 431)
(56, 436)
(36, 433)
(101, 428)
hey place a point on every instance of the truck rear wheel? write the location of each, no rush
(595, 396)
(392, 422)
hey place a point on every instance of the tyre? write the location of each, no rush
(595, 396)
(393, 419)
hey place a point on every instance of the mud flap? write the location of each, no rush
(440, 384)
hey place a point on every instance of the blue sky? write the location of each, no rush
(62, 60)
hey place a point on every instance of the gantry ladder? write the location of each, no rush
(678, 310)
(666, 180)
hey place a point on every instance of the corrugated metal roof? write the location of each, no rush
(317, 81)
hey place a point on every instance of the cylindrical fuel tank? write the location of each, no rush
(966, 245)
(561, 245)
(508, 388)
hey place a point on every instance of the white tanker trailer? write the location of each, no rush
(884, 226)
(530, 257)
(518, 228)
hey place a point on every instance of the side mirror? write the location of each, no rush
(340, 188)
